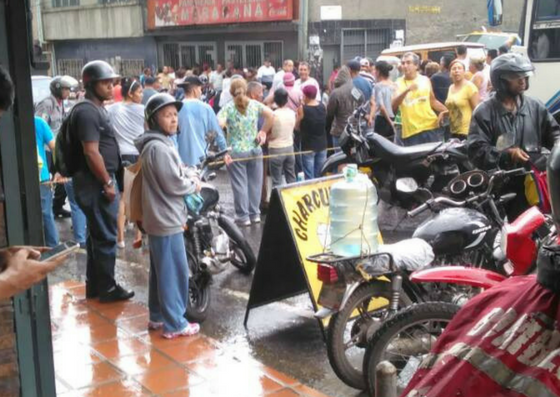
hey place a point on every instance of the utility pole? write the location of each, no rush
(302, 29)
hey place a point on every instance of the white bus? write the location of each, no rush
(541, 38)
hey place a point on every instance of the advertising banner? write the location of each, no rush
(164, 13)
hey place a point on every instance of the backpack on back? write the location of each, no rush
(67, 153)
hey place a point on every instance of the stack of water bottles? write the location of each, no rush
(353, 215)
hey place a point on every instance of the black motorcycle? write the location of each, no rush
(213, 240)
(431, 165)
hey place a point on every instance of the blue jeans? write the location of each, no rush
(435, 135)
(312, 164)
(49, 226)
(101, 216)
(246, 177)
(169, 282)
(336, 143)
(78, 217)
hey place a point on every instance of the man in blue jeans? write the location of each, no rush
(44, 137)
(95, 165)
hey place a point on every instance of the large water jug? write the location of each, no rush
(353, 214)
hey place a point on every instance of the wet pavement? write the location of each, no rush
(283, 335)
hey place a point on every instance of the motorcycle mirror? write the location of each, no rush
(211, 176)
(210, 137)
(406, 185)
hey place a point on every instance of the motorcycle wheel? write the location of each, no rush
(243, 256)
(418, 324)
(199, 297)
(350, 329)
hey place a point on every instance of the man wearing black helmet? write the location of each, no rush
(51, 109)
(511, 129)
(94, 181)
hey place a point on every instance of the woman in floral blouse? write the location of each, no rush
(240, 117)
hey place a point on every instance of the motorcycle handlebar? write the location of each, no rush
(437, 200)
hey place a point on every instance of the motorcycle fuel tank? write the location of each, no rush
(454, 230)
(210, 195)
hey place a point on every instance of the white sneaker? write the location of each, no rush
(121, 244)
(244, 223)
(256, 219)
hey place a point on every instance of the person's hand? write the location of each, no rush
(370, 121)
(22, 269)
(59, 178)
(110, 193)
(518, 155)
(228, 160)
(441, 118)
(413, 87)
(261, 137)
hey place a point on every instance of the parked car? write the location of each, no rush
(492, 40)
(435, 51)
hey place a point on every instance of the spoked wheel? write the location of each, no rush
(199, 290)
(352, 327)
(405, 339)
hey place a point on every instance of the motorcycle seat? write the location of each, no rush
(386, 149)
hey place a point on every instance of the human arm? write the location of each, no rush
(477, 80)
(268, 115)
(96, 165)
(299, 117)
(175, 180)
(21, 269)
(437, 106)
(399, 98)
(372, 110)
(215, 127)
(474, 100)
(482, 139)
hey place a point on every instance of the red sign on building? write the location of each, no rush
(163, 13)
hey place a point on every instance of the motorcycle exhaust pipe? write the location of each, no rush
(475, 180)
(458, 187)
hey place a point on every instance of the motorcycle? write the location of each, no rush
(408, 335)
(431, 165)
(213, 240)
(348, 290)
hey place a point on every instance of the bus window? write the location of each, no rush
(545, 31)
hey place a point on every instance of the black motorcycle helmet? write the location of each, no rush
(509, 65)
(95, 71)
(60, 82)
(155, 104)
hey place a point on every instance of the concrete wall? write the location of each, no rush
(455, 17)
(89, 50)
(93, 22)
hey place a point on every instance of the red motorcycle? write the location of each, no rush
(405, 338)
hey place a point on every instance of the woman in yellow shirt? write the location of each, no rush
(461, 101)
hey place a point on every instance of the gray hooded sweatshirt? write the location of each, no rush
(164, 185)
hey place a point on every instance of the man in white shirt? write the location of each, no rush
(266, 72)
(217, 78)
(305, 79)
(287, 67)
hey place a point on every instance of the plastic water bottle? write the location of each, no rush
(300, 177)
(353, 214)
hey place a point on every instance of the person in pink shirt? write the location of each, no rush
(295, 96)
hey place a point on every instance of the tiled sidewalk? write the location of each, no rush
(106, 351)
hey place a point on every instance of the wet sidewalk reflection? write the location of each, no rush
(105, 350)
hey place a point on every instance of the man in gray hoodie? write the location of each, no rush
(344, 99)
(164, 187)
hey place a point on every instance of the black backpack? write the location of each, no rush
(67, 151)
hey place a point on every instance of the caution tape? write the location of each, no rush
(268, 156)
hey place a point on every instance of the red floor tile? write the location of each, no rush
(144, 362)
(167, 380)
(284, 393)
(78, 377)
(127, 310)
(198, 349)
(121, 347)
(86, 319)
(78, 356)
(124, 388)
(136, 325)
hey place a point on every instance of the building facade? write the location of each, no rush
(133, 33)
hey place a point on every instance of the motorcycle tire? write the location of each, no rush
(405, 319)
(244, 259)
(198, 302)
(336, 342)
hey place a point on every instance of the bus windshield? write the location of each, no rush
(545, 31)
